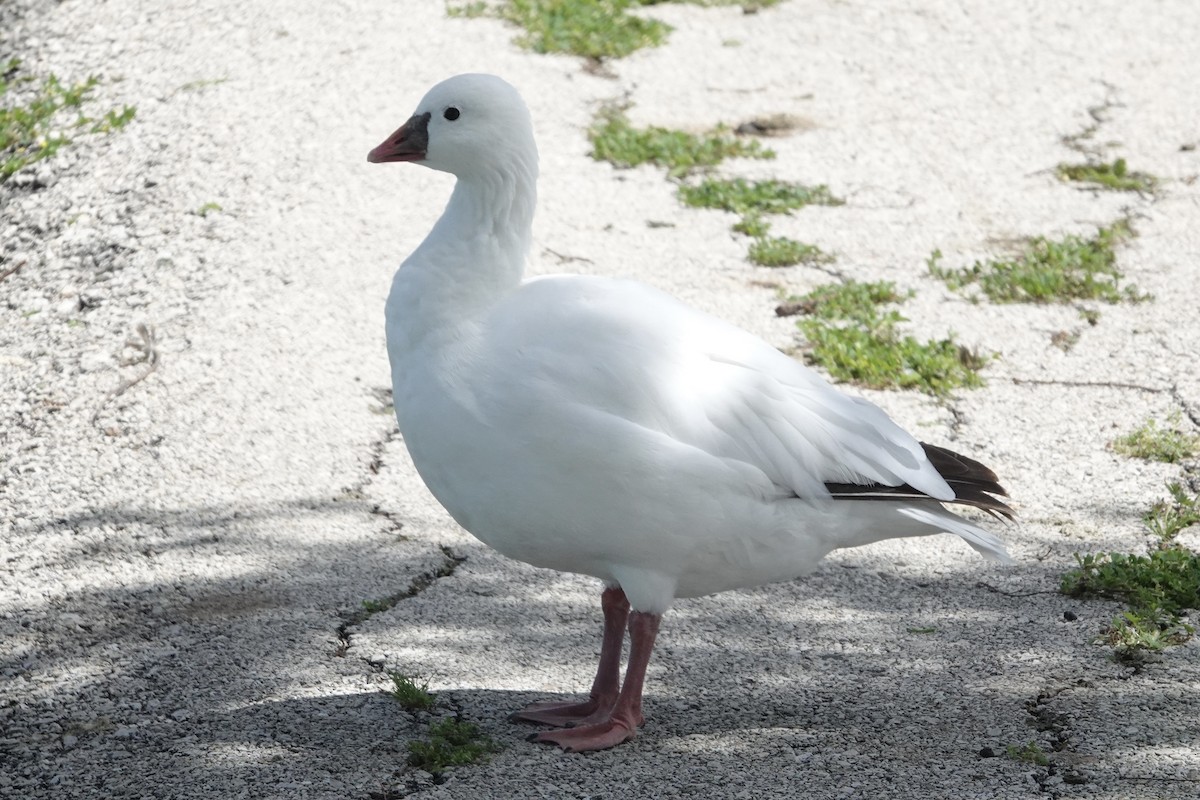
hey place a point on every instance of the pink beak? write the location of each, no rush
(408, 143)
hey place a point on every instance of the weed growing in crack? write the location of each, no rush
(451, 743)
(780, 251)
(32, 127)
(616, 141)
(756, 197)
(1050, 271)
(856, 340)
(1169, 445)
(1158, 587)
(382, 604)
(1133, 633)
(594, 29)
(1029, 753)
(1115, 176)
(1165, 581)
(752, 225)
(1167, 518)
(469, 10)
(412, 693)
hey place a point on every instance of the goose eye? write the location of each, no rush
(451, 113)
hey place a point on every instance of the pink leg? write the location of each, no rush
(621, 724)
(608, 675)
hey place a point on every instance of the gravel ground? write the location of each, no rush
(200, 481)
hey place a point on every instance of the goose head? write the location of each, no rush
(465, 125)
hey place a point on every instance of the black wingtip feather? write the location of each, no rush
(972, 482)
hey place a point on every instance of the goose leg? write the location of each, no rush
(621, 723)
(608, 675)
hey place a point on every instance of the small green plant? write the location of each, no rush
(616, 141)
(591, 28)
(208, 208)
(1050, 271)
(1115, 176)
(451, 743)
(1152, 443)
(595, 29)
(375, 606)
(752, 225)
(410, 694)
(33, 129)
(780, 251)
(928, 629)
(1029, 753)
(1165, 580)
(114, 120)
(470, 10)
(851, 300)
(1151, 630)
(1167, 518)
(755, 197)
(858, 341)
(1158, 587)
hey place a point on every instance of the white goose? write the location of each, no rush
(601, 427)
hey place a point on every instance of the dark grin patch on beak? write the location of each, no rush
(408, 143)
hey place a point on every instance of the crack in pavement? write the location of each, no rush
(1052, 776)
(358, 491)
(414, 588)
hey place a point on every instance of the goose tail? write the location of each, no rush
(984, 542)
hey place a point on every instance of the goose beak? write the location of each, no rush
(408, 143)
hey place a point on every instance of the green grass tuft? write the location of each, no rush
(780, 251)
(469, 10)
(208, 208)
(590, 28)
(376, 606)
(755, 197)
(616, 141)
(853, 300)
(1158, 587)
(34, 128)
(1115, 176)
(1165, 580)
(1152, 443)
(595, 29)
(752, 225)
(409, 694)
(858, 341)
(1050, 271)
(1030, 753)
(451, 743)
